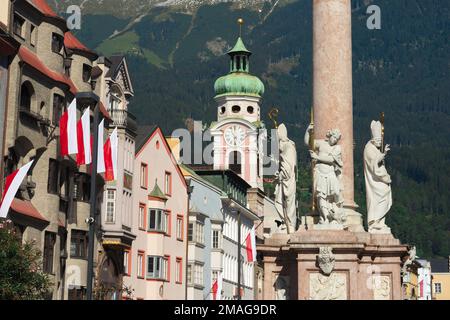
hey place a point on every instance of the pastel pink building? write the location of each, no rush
(155, 266)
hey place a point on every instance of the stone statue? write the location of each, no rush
(378, 182)
(286, 181)
(282, 288)
(327, 156)
(412, 255)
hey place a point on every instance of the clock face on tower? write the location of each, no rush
(234, 136)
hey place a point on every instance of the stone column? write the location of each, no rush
(333, 97)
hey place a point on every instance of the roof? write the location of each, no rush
(26, 208)
(44, 8)
(157, 193)
(71, 42)
(143, 134)
(439, 265)
(115, 63)
(33, 60)
(239, 47)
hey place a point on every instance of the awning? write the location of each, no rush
(26, 208)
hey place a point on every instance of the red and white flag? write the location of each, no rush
(217, 287)
(250, 243)
(100, 149)
(13, 182)
(84, 139)
(68, 130)
(110, 151)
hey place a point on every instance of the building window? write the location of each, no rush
(236, 109)
(53, 177)
(157, 220)
(110, 205)
(189, 273)
(18, 26)
(198, 274)
(57, 42)
(168, 184)
(82, 187)
(235, 163)
(251, 110)
(26, 96)
(76, 293)
(168, 223)
(142, 211)
(33, 36)
(144, 176)
(191, 232)
(180, 227)
(58, 108)
(157, 267)
(437, 288)
(215, 239)
(199, 235)
(140, 264)
(78, 244)
(49, 250)
(87, 71)
(127, 262)
(179, 271)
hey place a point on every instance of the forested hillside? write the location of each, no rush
(402, 69)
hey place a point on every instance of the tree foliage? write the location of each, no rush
(21, 276)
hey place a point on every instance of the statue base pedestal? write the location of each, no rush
(328, 226)
(363, 266)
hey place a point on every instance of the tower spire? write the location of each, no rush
(241, 23)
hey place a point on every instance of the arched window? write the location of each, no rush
(26, 96)
(235, 163)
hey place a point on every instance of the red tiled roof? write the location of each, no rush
(26, 208)
(71, 42)
(33, 60)
(43, 7)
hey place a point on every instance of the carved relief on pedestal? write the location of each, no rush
(381, 287)
(325, 260)
(333, 287)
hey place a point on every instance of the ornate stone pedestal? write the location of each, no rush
(332, 265)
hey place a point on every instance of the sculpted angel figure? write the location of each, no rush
(327, 156)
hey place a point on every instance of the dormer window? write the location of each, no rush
(57, 43)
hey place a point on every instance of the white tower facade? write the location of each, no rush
(239, 133)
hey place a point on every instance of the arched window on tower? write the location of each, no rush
(238, 63)
(235, 162)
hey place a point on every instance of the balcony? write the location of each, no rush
(123, 119)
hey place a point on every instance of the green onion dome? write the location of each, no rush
(239, 80)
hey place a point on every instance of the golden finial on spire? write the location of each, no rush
(240, 22)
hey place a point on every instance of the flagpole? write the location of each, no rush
(239, 254)
(92, 98)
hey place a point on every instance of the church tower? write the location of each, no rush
(237, 133)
